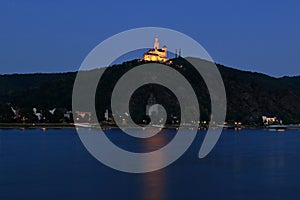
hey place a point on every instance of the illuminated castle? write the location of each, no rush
(156, 54)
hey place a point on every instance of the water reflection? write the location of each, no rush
(154, 183)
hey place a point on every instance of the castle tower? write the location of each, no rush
(151, 108)
(156, 44)
(164, 48)
(151, 100)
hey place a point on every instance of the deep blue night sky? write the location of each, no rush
(55, 36)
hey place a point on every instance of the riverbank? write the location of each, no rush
(105, 127)
(37, 125)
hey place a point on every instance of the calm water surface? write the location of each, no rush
(53, 164)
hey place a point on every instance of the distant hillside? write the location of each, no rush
(249, 95)
(16, 84)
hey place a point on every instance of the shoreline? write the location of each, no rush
(105, 127)
(33, 125)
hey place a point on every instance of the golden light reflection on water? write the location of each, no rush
(154, 183)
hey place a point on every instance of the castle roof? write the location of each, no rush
(154, 54)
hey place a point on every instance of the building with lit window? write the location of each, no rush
(267, 120)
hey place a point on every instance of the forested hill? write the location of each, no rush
(249, 94)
